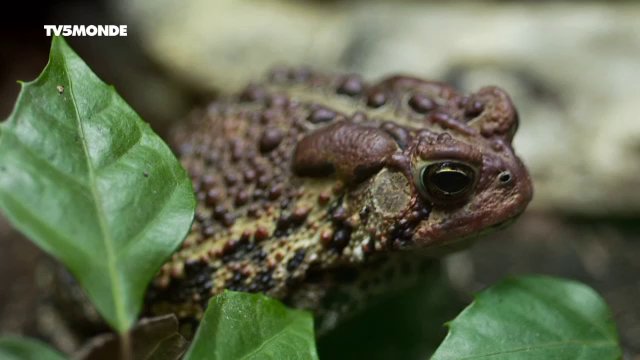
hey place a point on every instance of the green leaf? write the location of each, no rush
(533, 318)
(17, 348)
(89, 182)
(252, 326)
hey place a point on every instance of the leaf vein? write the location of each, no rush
(543, 347)
(106, 235)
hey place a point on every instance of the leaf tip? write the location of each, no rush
(58, 41)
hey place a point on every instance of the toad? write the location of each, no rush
(310, 184)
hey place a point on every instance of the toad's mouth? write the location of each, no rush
(462, 242)
(503, 224)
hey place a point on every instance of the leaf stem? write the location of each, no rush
(126, 349)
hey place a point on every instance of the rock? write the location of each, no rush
(573, 70)
(223, 44)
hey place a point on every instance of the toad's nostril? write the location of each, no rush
(505, 177)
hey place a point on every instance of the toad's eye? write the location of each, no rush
(447, 180)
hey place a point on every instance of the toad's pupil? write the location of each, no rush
(447, 178)
(450, 181)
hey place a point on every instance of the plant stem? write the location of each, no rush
(126, 350)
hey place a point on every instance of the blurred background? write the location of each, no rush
(572, 68)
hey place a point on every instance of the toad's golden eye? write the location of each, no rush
(447, 180)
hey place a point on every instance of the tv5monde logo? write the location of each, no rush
(86, 30)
